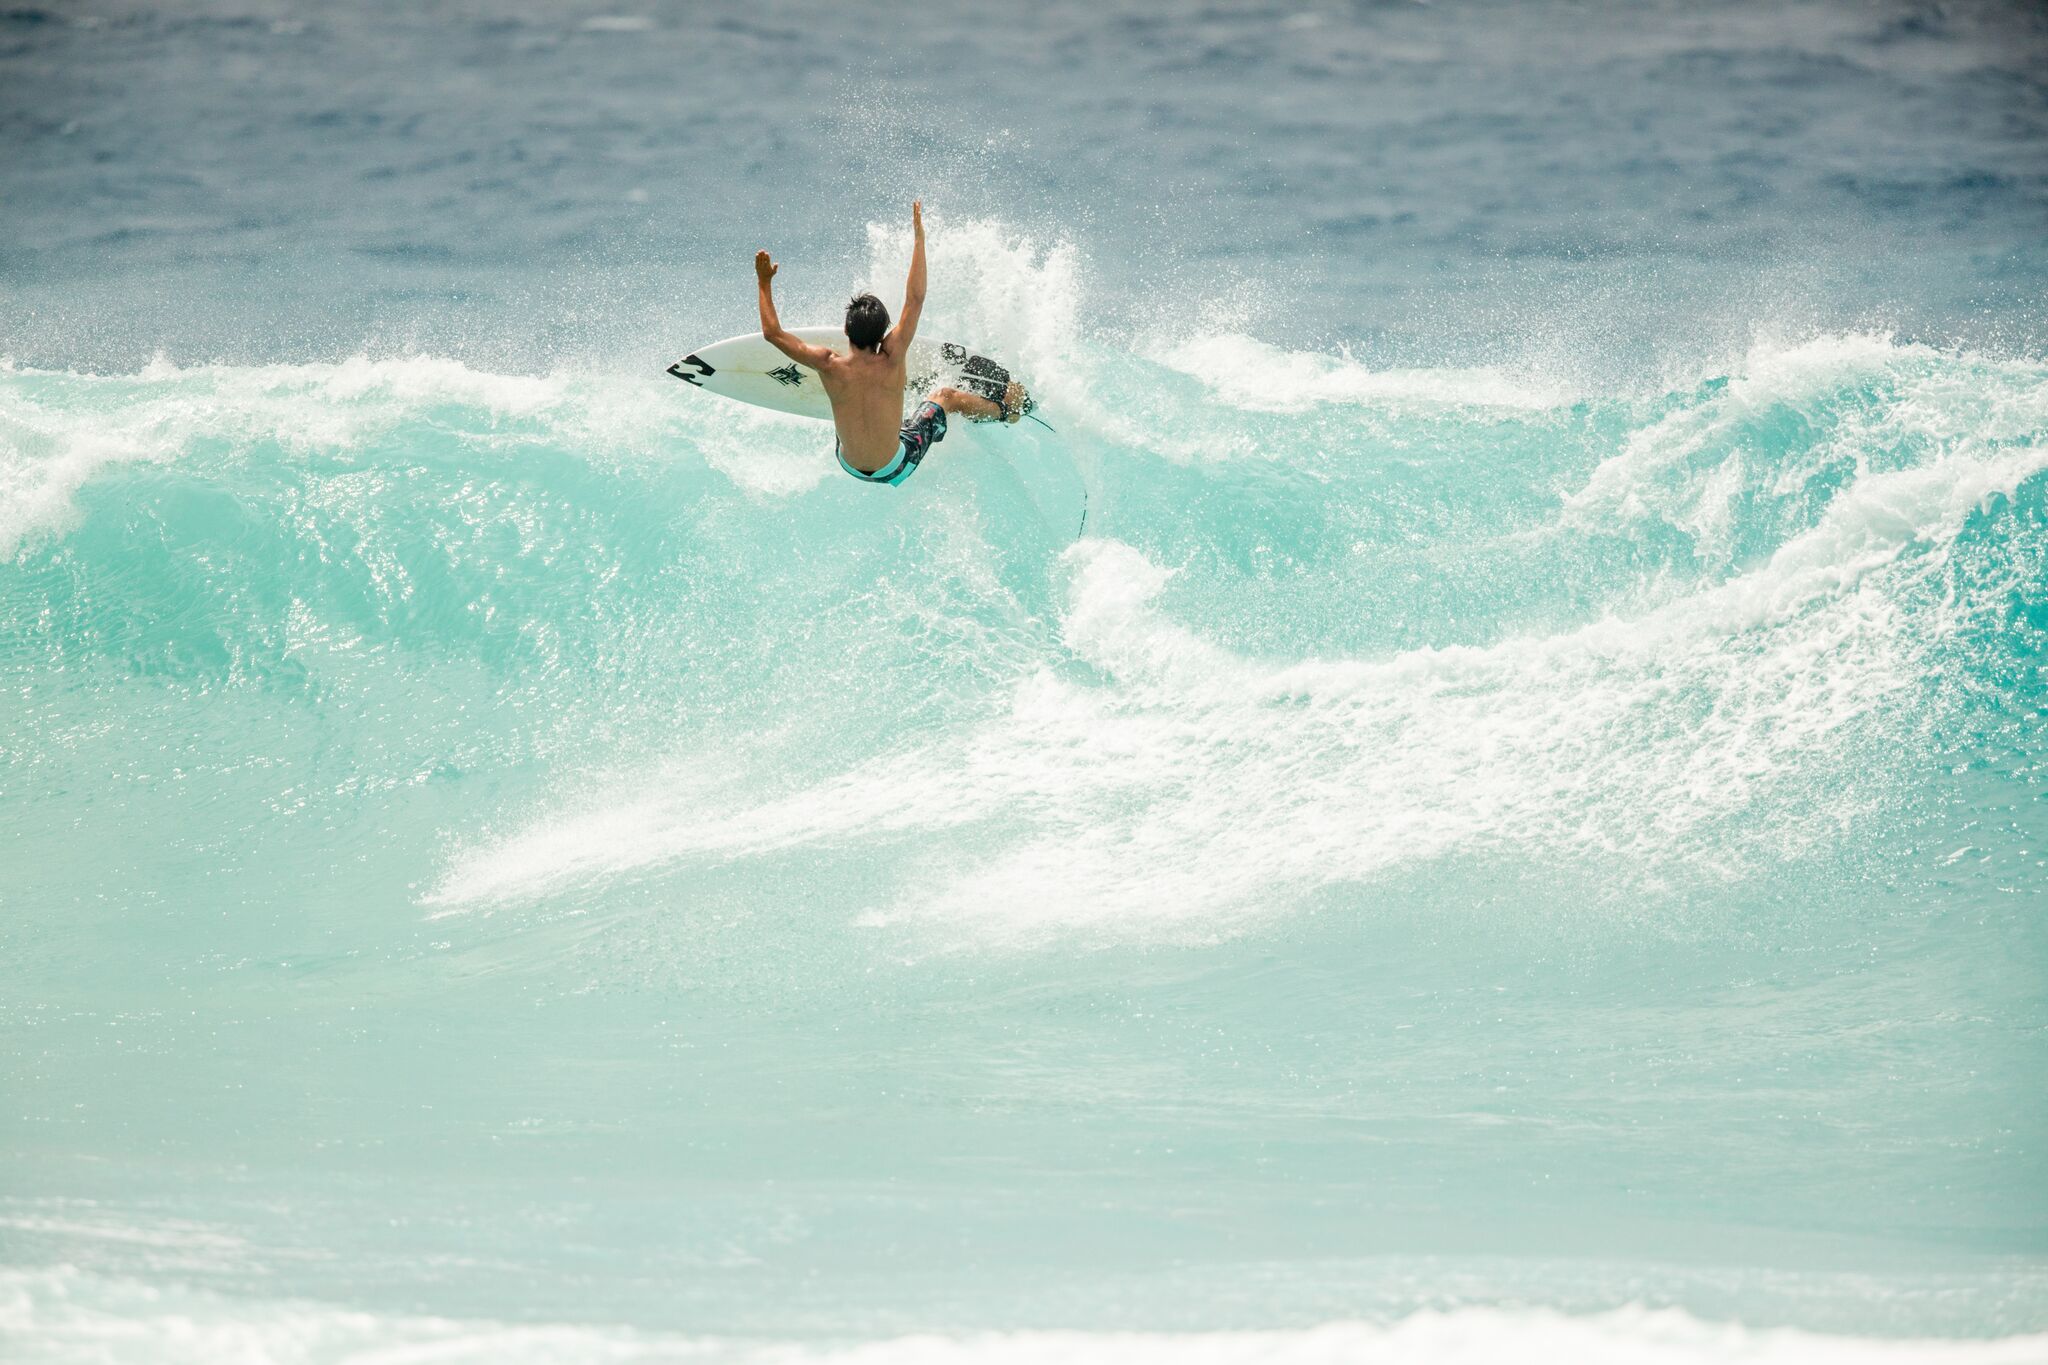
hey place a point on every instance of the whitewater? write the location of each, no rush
(1516, 830)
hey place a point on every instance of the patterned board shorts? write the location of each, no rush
(924, 429)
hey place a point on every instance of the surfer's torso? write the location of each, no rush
(866, 389)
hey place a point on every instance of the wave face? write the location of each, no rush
(1329, 628)
(1442, 831)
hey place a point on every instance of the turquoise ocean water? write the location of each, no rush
(1516, 833)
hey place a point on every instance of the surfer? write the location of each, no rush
(866, 385)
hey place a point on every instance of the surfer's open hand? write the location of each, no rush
(764, 269)
(917, 217)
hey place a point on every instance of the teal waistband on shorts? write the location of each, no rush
(896, 471)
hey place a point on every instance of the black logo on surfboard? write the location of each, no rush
(788, 375)
(704, 371)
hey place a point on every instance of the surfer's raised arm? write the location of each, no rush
(781, 338)
(913, 289)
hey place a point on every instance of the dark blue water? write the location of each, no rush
(1421, 182)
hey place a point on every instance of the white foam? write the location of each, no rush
(596, 837)
(1007, 292)
(1689, 468)
(62, 1317)
(41, 471)
(1457, 1337)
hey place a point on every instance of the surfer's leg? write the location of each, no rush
(972, 406)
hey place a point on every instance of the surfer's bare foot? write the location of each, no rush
(1013, 403)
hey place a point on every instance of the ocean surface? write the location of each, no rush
(1518, 831)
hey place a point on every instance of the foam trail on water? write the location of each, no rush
(1195, 783)
(1259, 377)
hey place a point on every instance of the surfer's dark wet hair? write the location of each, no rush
(867, 322)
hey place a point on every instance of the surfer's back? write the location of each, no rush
(866, 388)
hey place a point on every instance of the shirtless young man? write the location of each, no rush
(866, 385)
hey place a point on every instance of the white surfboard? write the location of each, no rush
(748, 369)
